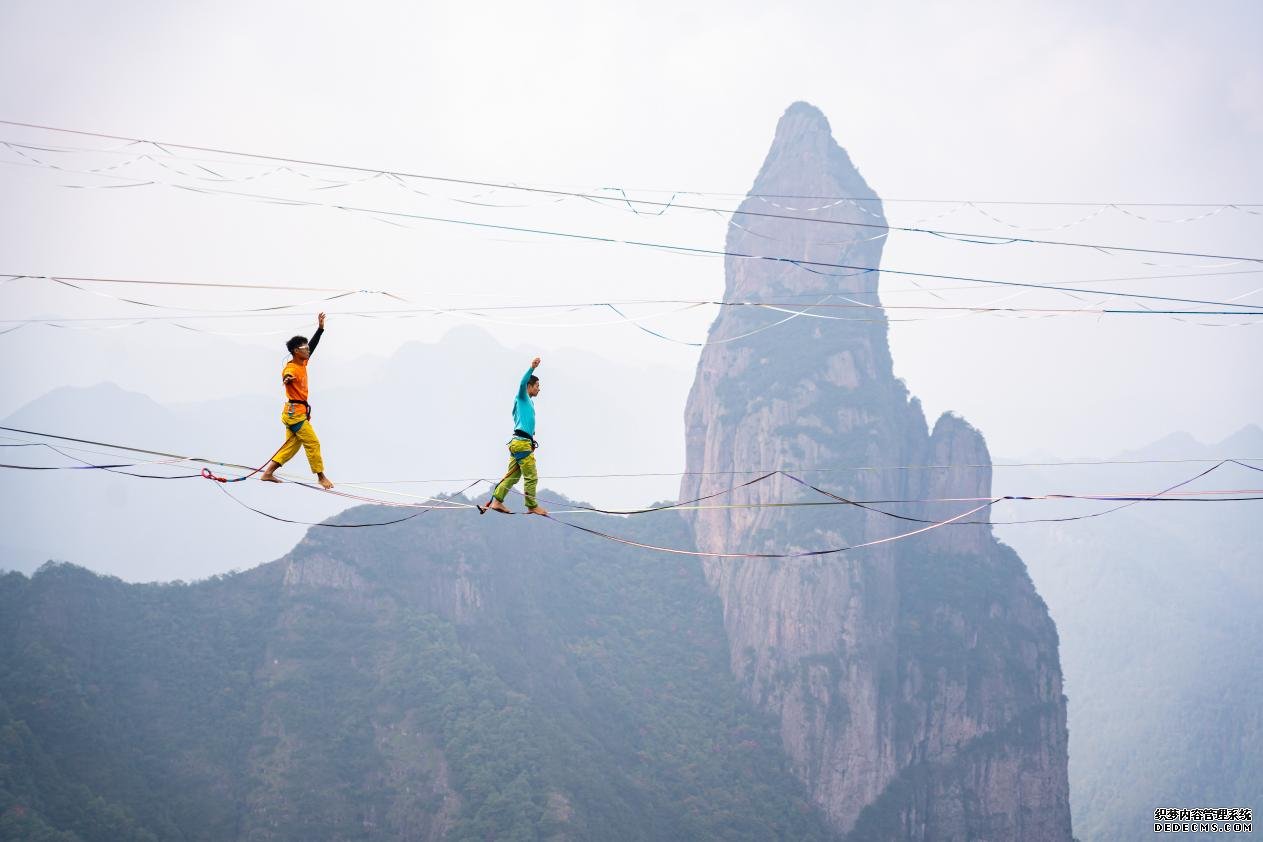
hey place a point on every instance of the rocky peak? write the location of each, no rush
(888, 673)
(806, 176)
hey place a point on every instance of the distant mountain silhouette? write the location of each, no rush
(1157, 609)
(433, 411)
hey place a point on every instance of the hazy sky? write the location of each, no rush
(1057, 101)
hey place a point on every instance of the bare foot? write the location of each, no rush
(325, 483)
(497, 506)
(268, 477)
(538, 510)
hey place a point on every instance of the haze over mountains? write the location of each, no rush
(465, 677)
(438, 679)
(1157, 610)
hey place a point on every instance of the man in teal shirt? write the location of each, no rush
(521, 448)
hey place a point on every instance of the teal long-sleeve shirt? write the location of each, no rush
(524, 407)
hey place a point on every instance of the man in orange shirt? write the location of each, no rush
(296, 416)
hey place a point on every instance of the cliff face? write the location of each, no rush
(916, 682)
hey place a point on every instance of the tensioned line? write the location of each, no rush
(678, 191)
(646, 202)
(927, 524)
(804, 264)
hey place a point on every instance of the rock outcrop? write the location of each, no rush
(917, 681)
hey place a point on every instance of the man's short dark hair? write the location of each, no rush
(295, 342)
(532, 381)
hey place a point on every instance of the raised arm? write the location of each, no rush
(315, 337)
(526, 378)
(320, 331)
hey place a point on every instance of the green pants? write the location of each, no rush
(521, 464)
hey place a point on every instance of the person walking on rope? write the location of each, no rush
(521, 448)
(296, 414)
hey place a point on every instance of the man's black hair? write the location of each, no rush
(532, 381)
(295, 342)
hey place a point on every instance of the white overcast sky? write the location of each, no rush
(1056, 101)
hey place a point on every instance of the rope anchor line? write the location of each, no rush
(375, 172)
(928, 525)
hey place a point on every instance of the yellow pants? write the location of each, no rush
(521, 465)
(304, 438)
